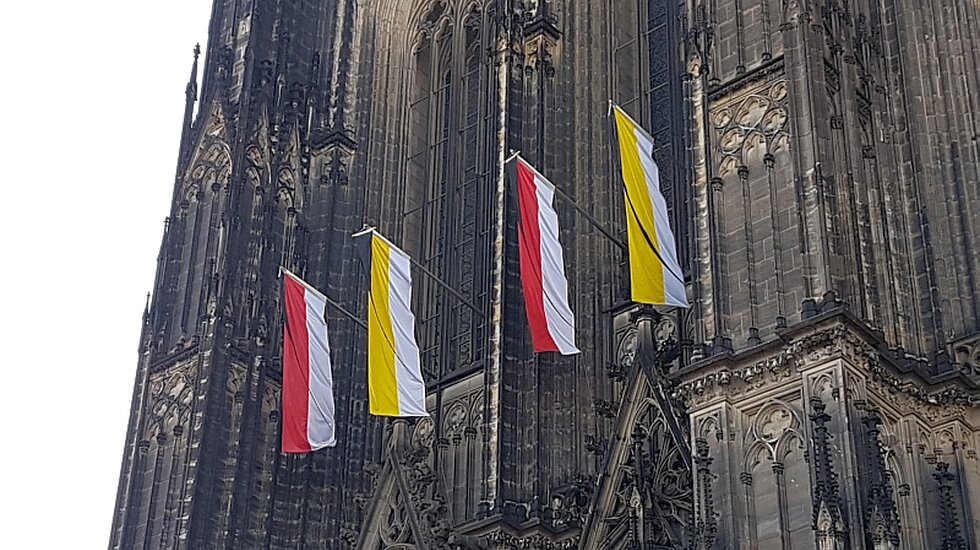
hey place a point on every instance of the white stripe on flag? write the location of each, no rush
(320, 421)
(674, 291)
(561, 323)
(411, 387)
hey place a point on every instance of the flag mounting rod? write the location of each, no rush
(431, 275)
(445, 285)
(348, 314)
(591, 219)
(326, 299)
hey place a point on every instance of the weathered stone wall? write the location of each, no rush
(834, 150)
(820, 160)
(824, 438)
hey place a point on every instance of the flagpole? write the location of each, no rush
(426, 271)
(636, 124)
(326, 298)
(346, 313)
(563, 196)
(445, 285)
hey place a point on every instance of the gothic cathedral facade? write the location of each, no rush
(821, 162)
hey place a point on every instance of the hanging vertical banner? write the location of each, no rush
(655, 275)
(395, 384)
(307, 379)
(549, 316)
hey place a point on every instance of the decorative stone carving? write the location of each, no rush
(708, 428)
(772, 421)
(834, 341)
(270, 399)
(705, 522)
(538, 52)
(541, 38)
(408, 506)
(626, 352)
(569, 504)
(822, 386)
(424, 434)
(828, 520)
(428, 501)
(605, 408)
(476, 410)
(966, 354)
(665, 331)
(333, 151)
(770, 370)
(210, 170)
(236, 377)
(882, 523)
(655, 488)
(752, 125)
(396, 530)
(171, 392)
(216, 122)
(506, 541)
(952, 536)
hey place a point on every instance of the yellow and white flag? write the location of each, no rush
(395, 385)
(654, 272)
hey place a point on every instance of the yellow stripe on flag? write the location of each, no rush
(646, 269)
(382, 383)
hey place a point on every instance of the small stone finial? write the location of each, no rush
(146, 310)
(190, 91)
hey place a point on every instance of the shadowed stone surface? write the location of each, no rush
(821, 162)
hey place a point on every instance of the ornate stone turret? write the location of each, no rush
(190, 98)
(952, 537)
(828, 519)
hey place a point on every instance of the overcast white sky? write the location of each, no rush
(92, 98)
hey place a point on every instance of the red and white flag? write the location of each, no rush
(542, 264)
(307, 379)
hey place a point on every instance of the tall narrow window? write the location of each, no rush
(447, 195)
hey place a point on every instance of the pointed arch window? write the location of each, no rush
(443, 218)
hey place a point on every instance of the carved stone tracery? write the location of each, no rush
(753, 125)
(171, 393)
(409, 508)
(966, 354)
(653, 502)
(662, 480)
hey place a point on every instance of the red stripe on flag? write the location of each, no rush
(295, 370)
(529, 245)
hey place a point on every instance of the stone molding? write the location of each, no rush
(836, 338)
